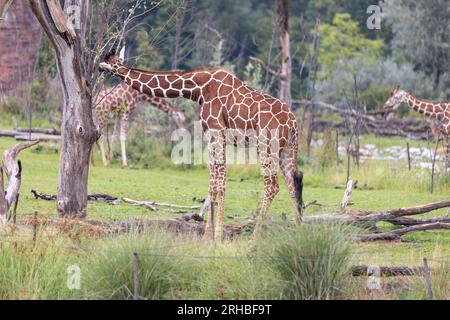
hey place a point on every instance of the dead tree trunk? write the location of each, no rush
(13, 170)
(285, 51)
(78, 130)
(4, 4)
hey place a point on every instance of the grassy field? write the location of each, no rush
(389, 185)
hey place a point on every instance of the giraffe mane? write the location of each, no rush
(199, 69)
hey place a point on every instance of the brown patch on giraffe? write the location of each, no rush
(244, 112)
(220, 75)
(144, 78)
(201, 78)
(225, 90)
(239, 98)
(163, 83)
(134, 75)
(171, 78)
(242, 90)
(258, 97)
(439, 108)
(248, 102)
(152, 83)
(239, 122)
(177, 84)
(230, 100)
(189, 84)
(159, 92)
(172, 93)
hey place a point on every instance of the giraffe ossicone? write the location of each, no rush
(228, 103)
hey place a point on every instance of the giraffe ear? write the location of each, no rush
(122, 54)
(397, 88)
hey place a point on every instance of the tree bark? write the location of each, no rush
(4, 4)
(285, 51)
(78, 130)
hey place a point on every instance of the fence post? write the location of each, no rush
(409, 156)
(428, 278)
(337, 147)
(35, 222)
(135, 276)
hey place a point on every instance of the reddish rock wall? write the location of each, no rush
(20, 37)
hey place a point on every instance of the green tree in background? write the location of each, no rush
(421, 31)
(148, 57)
(342, 42)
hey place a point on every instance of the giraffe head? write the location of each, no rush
(113, 62)
(396, 97)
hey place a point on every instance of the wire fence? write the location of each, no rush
(374, 268)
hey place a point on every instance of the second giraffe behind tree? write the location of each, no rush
(227, 104)
(118, 102)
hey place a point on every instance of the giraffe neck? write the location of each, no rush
(430, 109)
(171, 84)
(157, 102)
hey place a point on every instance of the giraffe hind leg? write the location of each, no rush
(123, 138)
(294, 181)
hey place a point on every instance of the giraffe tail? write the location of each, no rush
(298, 184)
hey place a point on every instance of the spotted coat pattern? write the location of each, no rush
(227, 103)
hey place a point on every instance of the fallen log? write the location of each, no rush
(152, 204)
(25, 136)
(404, 221)
(358, 271)
(36, 136)
(395, 213)
(50, 131)
(415, 129)
(396, 234)
(7, 133)
(13, 170)
(91, 197)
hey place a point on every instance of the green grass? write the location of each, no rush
(391, 185)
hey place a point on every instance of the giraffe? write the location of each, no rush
(440, 111)
(120, 101)
(227, 103)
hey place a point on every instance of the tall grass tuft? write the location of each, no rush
(109, 271)
(312, 261)
(39, 272)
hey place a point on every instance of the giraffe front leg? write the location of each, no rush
(123, 138)
(101, 146)
(209, 229)
(271, 188)
(446, 152)
(217, 167)
(220, 181)
(112, 141)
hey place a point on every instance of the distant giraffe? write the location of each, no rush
(436, 110)
(119, 102)
(228, 103)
